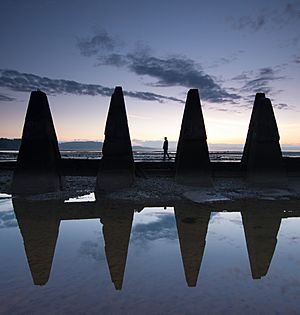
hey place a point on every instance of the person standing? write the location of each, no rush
(165, 148)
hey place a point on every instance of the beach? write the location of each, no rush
(165, 190)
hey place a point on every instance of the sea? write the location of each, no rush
(147, 155)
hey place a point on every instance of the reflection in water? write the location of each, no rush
(116, 232)
(39, 223)
(261, 230)
(192, 224)
(39, 228)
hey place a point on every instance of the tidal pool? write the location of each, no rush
(151, 260)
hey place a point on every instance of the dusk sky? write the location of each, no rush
(78, 51)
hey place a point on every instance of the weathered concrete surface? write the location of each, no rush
(39, 230)
(261, 229)
(117, 225)
(262, 155)
(37, 169)
(192, 159)
(192, 223)
(117, 165)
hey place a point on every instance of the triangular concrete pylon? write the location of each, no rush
(192, 224)
(192, 158)
(263, 158)
(117, 165)
(37, 168)
(39, 229)
(116, 232)
(261, 231)
(253, 118)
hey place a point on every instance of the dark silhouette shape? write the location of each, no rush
(192, 159)
(165, 148)
(39, 229)
(192, 223)
(262, 155)
(261, 229)
(253, 118)
(37, 168)
(117, 165)
(116, 232)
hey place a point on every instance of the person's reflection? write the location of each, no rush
(192, 223)
(39, 227)
(117, 223)
(261, 228)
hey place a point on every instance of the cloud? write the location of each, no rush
(176, 71)
(116, 60)
(5, 98)
(281, 106)
(26, 82)
(292, 10)
(259, 81)
(168, 72)
(163, 228)
(142, 233)
(275, 18)
(226, 60)
(247, 22)
(172, 71)
(297, 59)
(100, 42)
(8, 219)
(148, 96)
(93, 250)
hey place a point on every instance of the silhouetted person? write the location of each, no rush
(165, 147)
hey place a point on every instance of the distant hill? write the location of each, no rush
(81, 146)
(14, 144)
(90, 146)
(9, 144)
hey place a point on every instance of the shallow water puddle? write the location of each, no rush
(181, 260)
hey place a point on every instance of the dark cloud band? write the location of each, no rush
(26, 82)
(180, 71)
(5, 98)
(102, 41)
(169, 71)
(259, 81)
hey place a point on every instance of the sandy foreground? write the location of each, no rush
(164, 190)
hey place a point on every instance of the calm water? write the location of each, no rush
(61, 258)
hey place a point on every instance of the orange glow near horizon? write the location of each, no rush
(151, 123)
(218, 132)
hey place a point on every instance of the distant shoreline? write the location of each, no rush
(96, 146)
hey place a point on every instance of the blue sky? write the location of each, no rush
(77, 51)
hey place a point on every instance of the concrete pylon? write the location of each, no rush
(39, 229)
(253, 118)
(192, 158)
(117, 225)
(261, 231)
(262, 154)
(192, 224)
(117, 165)
(37, 168)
